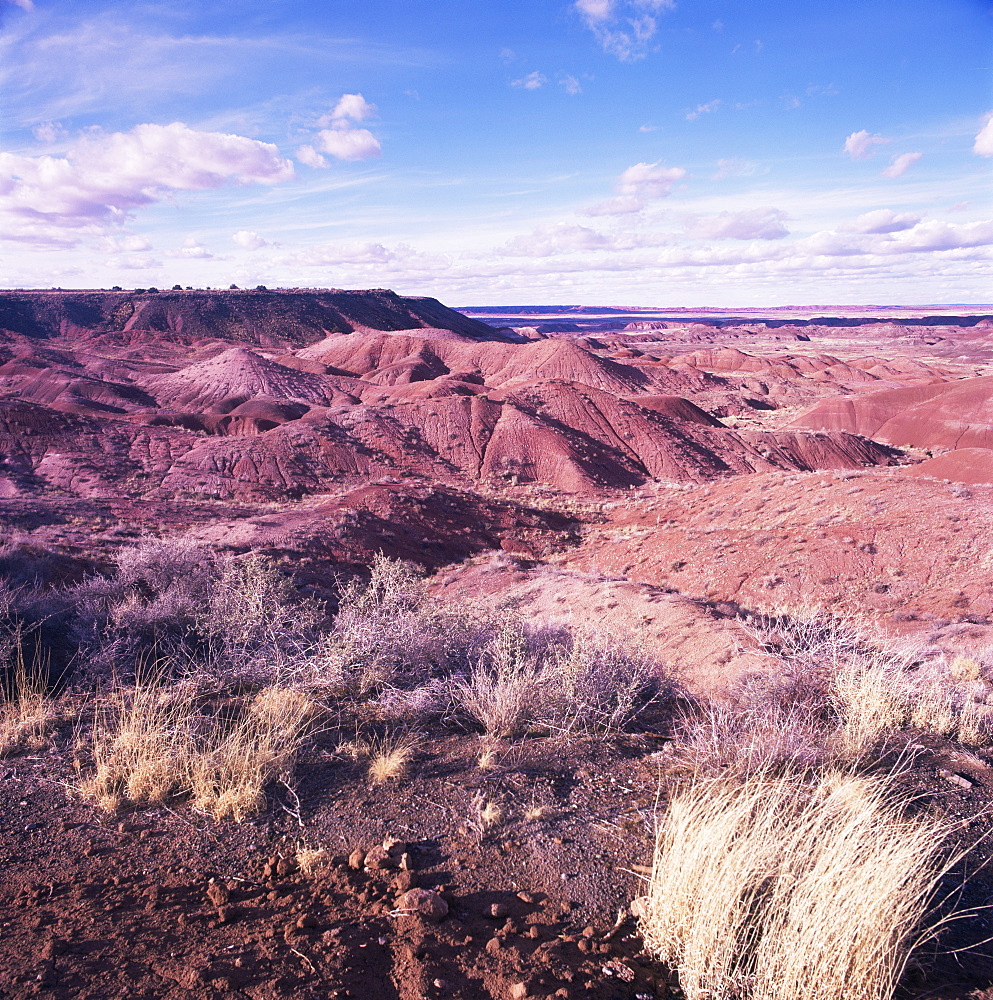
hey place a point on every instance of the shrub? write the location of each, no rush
(525, 679)
(388, 634)
(777, 888)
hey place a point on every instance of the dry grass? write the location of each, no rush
(390, 757)
(150, 747)
(309, 859)
(485, 815)
(773, 889)
(26, 707)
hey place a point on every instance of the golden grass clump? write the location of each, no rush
(390, 757)
(778, 888)
(149, 747)
(26, 708)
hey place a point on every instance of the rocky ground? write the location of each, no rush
(671, 479)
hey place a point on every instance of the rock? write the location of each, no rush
(639, 907)
(218, 894)
(519, 991)
(498, 911)
(356, 859)
(405, 881)
(494, 945)
(227, 914)
(379, 858)
(425, 903)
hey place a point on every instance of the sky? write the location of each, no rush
(487, 152)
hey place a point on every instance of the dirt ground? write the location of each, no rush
(161, 902)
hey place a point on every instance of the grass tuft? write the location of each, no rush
(777, 888)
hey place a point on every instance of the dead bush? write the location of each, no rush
(528, 679)
(777, 888)
(389, 634)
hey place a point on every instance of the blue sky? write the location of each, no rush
(612, 152)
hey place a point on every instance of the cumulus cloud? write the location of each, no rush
(348, 143)
(885, 220)
(637, 186)
(309, 156)
(751, 224)
(703, 109)
(103, 178)
(249, 240)
(859, 145)
(353, 106)
(342, 140)
(983, 145)
(899, 165)
(533, 81)
(624, 28)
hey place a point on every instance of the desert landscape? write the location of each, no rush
(358, 646)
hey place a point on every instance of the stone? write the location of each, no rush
(425, 903)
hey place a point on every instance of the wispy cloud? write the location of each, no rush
(860, 145)
(624, 28)
(570, 84)
(899, 165)
(704, 109)
(751, 224)
(533, 81)
(734, 167)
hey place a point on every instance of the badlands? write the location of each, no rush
(718, 508)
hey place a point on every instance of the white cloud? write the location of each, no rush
(648, 128)
(570, 84)
(624, 28)
(649, 180)
(346, 143)
(983, 145)
(27, 5)
(309, 156)
(103, 178)
(703, 109)
(734, 167)
(899, 165)
(249, 240)
(342, 140)
(859, 145)
(547, 241)
(533, 81)
(507, 56)
(885, 220)
(353, 106)
(751, 224)
(637, 186)
(624, 205)
(48, 132)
